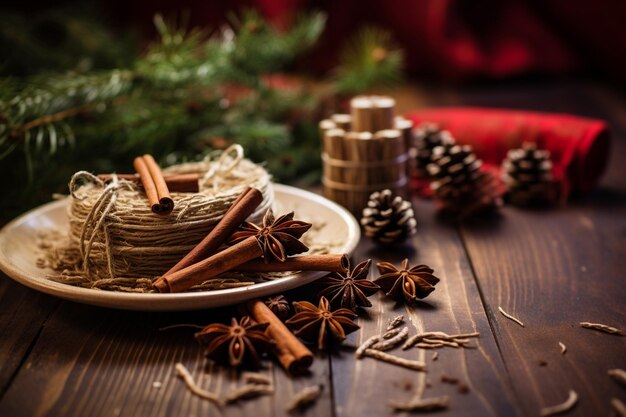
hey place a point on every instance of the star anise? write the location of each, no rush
(279, 306)
(351, 288)
(320, 322)
(278, 237)
(241, 343)
(408, 283)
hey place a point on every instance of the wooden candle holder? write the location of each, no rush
(365, 151)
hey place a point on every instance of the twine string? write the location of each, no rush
(97, 215)
(115, 242)
(225, 164)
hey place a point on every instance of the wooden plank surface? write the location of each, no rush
(92, 361)
(556, 268)
(454, 307)
(22, 315)
(552, 268)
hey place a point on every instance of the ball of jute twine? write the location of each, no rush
(116, 242)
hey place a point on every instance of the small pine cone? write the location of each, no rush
(428, 136)
(388, 219)
(460, 187)
(527, 174)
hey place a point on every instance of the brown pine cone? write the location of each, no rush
(388, 219)
(527, 175)
(428, 136)
(460, 187)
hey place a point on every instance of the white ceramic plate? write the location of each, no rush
(18, 256)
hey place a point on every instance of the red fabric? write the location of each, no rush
(579, 147)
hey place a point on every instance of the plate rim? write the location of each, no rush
(161, 302)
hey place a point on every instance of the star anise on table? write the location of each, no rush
(349, 289)
(279, 306)
(321, 323)
(278, 237)
(240, 343)
(406, 283)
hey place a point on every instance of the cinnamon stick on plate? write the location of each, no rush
(180, 183)
(292, 354)
(329, 263)
(210, 267)
(242, 207)
(276, 239)
(154, 185)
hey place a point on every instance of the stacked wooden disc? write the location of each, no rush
(365, 151)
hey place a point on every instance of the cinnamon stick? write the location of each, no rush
(343, 121)
(242, 207)
(326, 124)
(330, 263)
(210, 267)
(181, 183)
(154, 185)
(383, 113)
(292, 354)
(361, 110)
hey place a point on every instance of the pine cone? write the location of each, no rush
(460, 187)
(527, 174)
(388, 219)
(427, 137)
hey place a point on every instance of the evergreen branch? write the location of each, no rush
(51, 118)
(43, 102)
(369, 60)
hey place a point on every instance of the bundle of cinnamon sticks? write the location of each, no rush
(206, 261)
(154, 185)
(365, 151)
(157, 186)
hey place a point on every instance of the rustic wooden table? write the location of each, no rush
(551, 268)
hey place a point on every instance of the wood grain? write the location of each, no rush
(454, 307)
(23, 312)
(554, 269)
(97, 362)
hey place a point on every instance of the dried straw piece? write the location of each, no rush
(395, 322)
(304, 398)
(183, 372)
(510, 317)
(395, 360)
(618, 375)
(393, 341)
(571, 401)
(256, 378)
(422, 345)
(430, 340)
(421, 404)
(248, 391)
(603, 328)
(391, 333)
(435, 356)
(619, 407)
(366, 345)
(563, 348)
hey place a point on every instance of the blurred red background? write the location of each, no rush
(447, 40)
